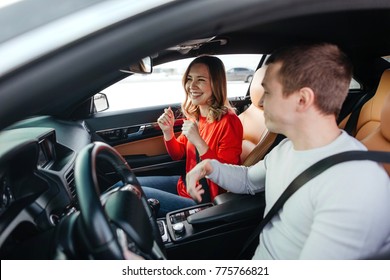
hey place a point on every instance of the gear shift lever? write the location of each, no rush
(154, 205)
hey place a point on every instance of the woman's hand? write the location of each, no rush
(191, 131)
(166, 122)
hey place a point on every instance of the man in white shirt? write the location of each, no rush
(343, 212)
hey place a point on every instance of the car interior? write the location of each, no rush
(60, 158)
(372, 122)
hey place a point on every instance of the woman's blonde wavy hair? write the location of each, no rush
(219, 104)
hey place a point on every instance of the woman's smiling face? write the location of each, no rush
(198, 85)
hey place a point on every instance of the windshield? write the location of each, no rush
(164, 85)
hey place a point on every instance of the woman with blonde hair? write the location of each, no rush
(211, 130)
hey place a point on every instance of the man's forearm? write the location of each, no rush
(233, 178)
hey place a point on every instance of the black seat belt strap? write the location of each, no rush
(309, 174)
(350, 126)
(206, 197)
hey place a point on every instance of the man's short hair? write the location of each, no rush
(322, 67)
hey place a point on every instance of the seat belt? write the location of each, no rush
(206, 197)
(308, 174)
(350, 126)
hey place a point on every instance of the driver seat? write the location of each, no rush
(375, 133)
(370, 114)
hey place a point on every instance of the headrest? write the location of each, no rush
(256, 90)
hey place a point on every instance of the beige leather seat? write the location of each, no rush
(262, 148)
(373, 124)
(370, 114)
(252, 118)
(374, 120)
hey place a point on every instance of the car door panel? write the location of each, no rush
(136, 135)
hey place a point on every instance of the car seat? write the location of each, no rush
(374, 119)
(370, 114)
(252, 118)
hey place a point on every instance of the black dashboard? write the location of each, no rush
(36, 177)
(40, 215)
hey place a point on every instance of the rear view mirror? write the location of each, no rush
(143, 66)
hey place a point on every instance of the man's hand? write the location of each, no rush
(201, 170)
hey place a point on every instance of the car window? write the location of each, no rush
(354, 84)
(164, 85)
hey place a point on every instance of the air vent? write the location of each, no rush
(72, 186)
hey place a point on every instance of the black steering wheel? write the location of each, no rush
(119, 223)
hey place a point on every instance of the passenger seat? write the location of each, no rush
(252, 118)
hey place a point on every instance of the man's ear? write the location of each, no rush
(305, 98)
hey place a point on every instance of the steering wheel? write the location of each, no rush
(118, 224)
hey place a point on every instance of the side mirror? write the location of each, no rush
(100, 102)
(143, 66)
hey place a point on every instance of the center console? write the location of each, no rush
(230, 216)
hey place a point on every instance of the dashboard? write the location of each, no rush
(36, 177)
